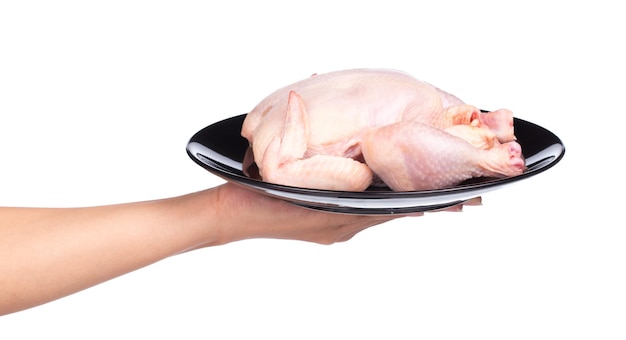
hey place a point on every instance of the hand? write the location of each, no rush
(247, 214)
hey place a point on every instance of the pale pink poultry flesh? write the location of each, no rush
(348, 130)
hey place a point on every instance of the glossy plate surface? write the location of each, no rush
(220, 149)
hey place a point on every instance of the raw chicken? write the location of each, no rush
(348, 130)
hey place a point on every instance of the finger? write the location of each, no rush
(454, 208)
(474, 201)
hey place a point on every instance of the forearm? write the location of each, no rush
(49, 253)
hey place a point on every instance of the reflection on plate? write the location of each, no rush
(220, 149)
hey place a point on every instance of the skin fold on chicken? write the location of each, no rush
(348, 130)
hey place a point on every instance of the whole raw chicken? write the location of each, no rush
(348, 130)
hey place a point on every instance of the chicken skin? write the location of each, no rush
(351, 129)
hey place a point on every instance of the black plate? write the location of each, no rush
(220, 149)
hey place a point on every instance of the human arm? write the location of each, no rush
(48, 253)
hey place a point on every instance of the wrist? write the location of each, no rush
(193, 220)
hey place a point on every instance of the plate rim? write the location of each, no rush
(341, 201)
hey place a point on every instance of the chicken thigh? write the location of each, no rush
(348, 130)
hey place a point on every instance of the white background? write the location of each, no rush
(98, 101)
